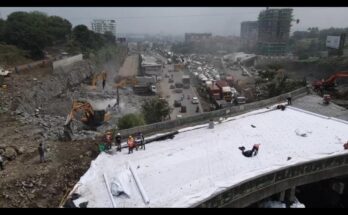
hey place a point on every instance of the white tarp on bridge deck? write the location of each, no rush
(200, 162)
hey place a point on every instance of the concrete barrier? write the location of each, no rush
(30, 66)
(206, 116)
(67, 61)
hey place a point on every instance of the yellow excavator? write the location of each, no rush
(98, 77)
(91, 118)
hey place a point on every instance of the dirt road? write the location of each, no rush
(130, 66)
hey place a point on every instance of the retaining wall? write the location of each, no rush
(67, 61)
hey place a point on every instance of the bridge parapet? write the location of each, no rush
(265, 185)
(206, 116)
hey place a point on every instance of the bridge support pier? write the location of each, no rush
(281, 196)
(289, 196)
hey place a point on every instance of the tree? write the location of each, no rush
(87, 40)
(34, 31)
(109, 37)
(130, 121)
(58, 28)
(155, 110)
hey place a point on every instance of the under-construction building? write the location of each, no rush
(274, 31)
(248, 34)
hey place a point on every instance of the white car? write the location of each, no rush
(195, 100)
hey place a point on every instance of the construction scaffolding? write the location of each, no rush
(274, 31)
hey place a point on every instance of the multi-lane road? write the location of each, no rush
(170, 95)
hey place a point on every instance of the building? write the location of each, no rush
(249, 34)
(122, 40)
(150, 66)
(101, 26)
(197, 37)
(274, 31)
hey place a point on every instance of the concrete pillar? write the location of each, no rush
(292, 194)
(282, 196)
(289, 196)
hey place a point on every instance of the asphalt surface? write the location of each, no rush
(315, 104)
(170, 95)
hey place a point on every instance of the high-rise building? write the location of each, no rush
(274, 31)
(248, 34)
(101, 26)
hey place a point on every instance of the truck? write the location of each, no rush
(225, 90)
(227, 93)
(145, 89)
(178, 67)
(186, 81)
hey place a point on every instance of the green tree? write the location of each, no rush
(34, 31)
(130, 121)
(87, 40)
(155, 110)
(109, 37)
(58, 28)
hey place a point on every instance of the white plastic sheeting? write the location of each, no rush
(199, 162)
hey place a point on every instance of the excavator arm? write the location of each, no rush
(335, 76)
(98, 77)
(79, 105)
(330, 81)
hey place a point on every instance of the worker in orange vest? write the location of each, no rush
(131, 144)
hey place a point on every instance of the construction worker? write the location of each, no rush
(141, 140)
(108, 140)
(131, 144)
(118, 139)
(282, 107)
(250, 153)
(41, 150)
(289, 99)
(308, 88)
(104, 79)
(345, 146)
(1, 163)
(101, 147)
(197, 109)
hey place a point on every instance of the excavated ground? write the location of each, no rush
(33, 109)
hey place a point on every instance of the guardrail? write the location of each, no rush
(206, 116)
(265, 185)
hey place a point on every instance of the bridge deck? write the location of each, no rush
(200, 162)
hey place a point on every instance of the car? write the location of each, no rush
(178, 90)
(179, 85)
(171, 80)
(195, 100)
(171, 86)
(177, 103)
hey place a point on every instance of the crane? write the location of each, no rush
(329, 83)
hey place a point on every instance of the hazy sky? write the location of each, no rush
(178, 20)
